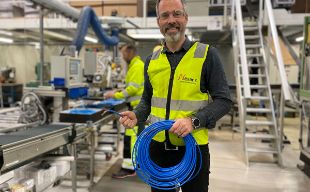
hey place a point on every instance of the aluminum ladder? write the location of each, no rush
(258, 122)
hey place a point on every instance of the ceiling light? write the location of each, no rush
(36, 44)
(91, 39)
(6, 40)
(144, 34)
(299, 39)
(6, 33)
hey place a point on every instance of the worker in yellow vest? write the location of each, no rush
(184, 82)
(132, 93)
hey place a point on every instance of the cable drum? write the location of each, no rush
(170, 177)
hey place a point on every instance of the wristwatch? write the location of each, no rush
(195, 122)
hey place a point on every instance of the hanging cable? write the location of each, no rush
(169, 177)
(89, 17)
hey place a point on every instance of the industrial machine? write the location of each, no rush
(98, 69)
(305, 100)
(66, 71)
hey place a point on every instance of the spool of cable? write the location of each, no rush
(169, 177)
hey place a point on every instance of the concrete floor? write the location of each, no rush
(228, 169)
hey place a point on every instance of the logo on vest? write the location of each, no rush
(186, 79)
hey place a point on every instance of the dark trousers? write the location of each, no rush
(168, 158)
(127, 141)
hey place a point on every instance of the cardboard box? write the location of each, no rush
(96, 5)
(43, 178)
(80, 4)
(62, 167)
(18, 188)
(301, 6)
(28, 184)
(122, 10)
(119, 2)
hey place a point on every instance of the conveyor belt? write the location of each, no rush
(19, 147)
(98, 117)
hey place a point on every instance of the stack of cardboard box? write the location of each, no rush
(123, 8)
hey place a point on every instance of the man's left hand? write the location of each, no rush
(182, 127)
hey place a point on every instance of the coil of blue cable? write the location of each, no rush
(170, 177)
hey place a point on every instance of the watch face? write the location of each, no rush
(196, 122)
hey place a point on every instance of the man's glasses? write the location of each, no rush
(175, 14)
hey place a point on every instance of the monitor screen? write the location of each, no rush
(74, 66)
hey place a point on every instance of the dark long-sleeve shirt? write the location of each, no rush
(213, 82)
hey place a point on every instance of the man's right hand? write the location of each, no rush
(109, 94)
(128, 119)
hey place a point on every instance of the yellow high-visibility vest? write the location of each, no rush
(134, 82)
(186, 96)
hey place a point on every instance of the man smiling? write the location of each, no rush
(180, 78)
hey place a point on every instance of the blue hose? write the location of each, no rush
(88, 16)
(170, 177)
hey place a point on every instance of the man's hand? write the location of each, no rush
(109, 94)
(182, 127)
(128, 119)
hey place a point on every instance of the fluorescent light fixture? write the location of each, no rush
(299, 39)
(6, 40)
(36, 45)
(91, 39)
(6, 33)
(144, 34)
(58, 35)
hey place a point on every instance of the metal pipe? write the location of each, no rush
(285, 86)
(225, 13)
(144, 12)
(281, 119)
(73, 167)
(1, 96)
(41, 45)
(59, 7)
(232, 16)
(245, 71)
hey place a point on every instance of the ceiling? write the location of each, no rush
(65, 35)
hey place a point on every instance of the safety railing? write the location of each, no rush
(266, 13)
(237, 27)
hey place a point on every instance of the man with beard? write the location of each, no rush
(179, 79)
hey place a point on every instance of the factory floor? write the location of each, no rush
(228, 169)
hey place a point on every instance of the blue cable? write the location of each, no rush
(170, 177)
(89, 17)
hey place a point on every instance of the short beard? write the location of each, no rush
(172, 39)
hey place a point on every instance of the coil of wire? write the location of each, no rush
(169, 177)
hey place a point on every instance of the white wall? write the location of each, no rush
(24, 58)
(197, 7)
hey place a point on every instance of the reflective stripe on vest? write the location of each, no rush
(134, 98)
(134, 84)
(179, 105)
(186, 96)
